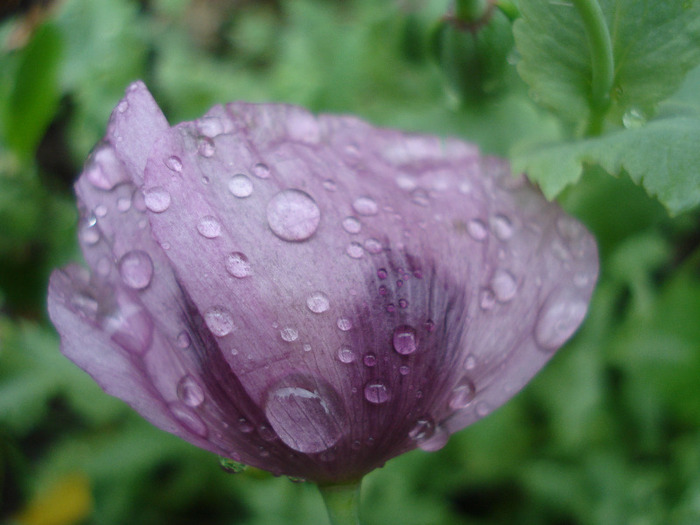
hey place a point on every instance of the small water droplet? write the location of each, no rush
(124, 204)
(483, 409)
(470, 362)
(136, 269)
(267, 433)
(502, 227)
(210, 126)
(306, 413)
(369, 360)
(157, 199)
(406, 182)
(430, 325)
(240, 186)
(376, 392)
(261, 170)
(352, 225)
(174, 164)
(423, 429)
(373, 246)
(634, 118)
(356, 445)
(306, 347)
(463, 394)
(383, 290)
(487, 299)
(346, 355)
(189, 391)
(318, 302)
(477, 229)
(209, 227)
(329, 185)
(404, 370)
(293, 215)
(219, 321)
(437, 441)
(238, 265)
(365, 206)
(382, 273)
(183, 339)
(404, 340)
(101, 210)
(289, 334)
(189, 419)
(558, 319)
(232, 466)
(122, 106)
(403, 303)
(420, 197)
(344, 324)
(355, 250)
(504, 286)
(89, 233)
(245, 426)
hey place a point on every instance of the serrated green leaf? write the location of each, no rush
(654, 45)
(663, 156)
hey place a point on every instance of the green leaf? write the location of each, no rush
(663, 156)
(33, 99)
(654, 45)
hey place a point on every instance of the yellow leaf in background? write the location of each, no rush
(66, 502)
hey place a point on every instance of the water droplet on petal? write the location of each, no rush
(382, 273)
(124, 204)
(369, 360)
(306, 413)
(344, 324)
(123, 106)
(437, 441)
(404, 370)
(293, 215)
(403, 303)
(219, 321)
(373, 246)
(240, 186)
(189, 391)
(355, 250)
(174, 164)
(238, 265)
(205, 147)
(477, 229)
(463, 394)
(289, 334)
(210, 126)
(376, 392)
(329, 185)
(430, 325)
(365, 206)
(558, 320)
(209, 227)
(483, 409)
(183, 339)
(136, 269)
(352, 225)
(89, 233)
(157, 199)
(487, 299)
(422, 430)
(404, 340)
(346, 355)
(189, 419)
(470, 362)
(504, 286)
(261, 170)
(502, 227)
(318, 302)
(245, 426)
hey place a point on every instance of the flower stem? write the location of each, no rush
(602, 61)
(342, 503)
(470, 10)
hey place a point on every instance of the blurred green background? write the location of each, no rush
(608, 433)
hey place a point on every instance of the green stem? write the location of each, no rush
(470, 10)
(342, 503)
(602, 61)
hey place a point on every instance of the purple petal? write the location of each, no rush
(313, 295)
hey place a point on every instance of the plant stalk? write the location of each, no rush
(342, 503)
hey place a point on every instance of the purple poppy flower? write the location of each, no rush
(312, 295)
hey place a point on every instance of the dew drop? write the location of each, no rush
(504, 286)
(365, 206)
(437, 441)
(383, 290)
(558, 320)
(183, 339)
(420, 197)
(210, 126)
(124, 204)
(240, 186)
(245, 426)
(404, 370)
(477, 229)
(483, 409)
(209, 227)
(423, 429)
(318, 302)
(352, 224)
(355, 250)
(502, 227)
(470, 362)
(430, 325)
(306, 347)
(633, 118)
(219, 321)
(189, 391)
(189, 419)
(329, 185)
(306, 413)
(369, 360)
(261, 170)
(376, 392)
(404, 340)
(122, 106)
(206, 147)
(344, 324)
(463, 394)
(373, 246)
(136, 269)
(157, 199)
(89, 233)
(487, 299)
(346, 355)
(174, 164)
(293, 215)
(382, 273)
(238, 265)
(403, 303)
(289, 334)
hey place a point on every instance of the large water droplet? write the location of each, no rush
(136, 269)
(261, 170)
(559, 318)
(365, 206)
(306, 412)
(129, 325)
(355, 250)
(289, 334)
(344, 324)
(189, 419)
(634, 118)
(219, 321)
(369, 360)
(240, 186)
(437, 441)
(346, 355)
(157, 199)
(502, 227)
(352, 225)
(463, 394)
(189, 391)
(504, 285)
(423, 429)
(209, 227)
(238, 265)
(477, 229)
(293, 215)
(404, 340)
(318, 302)
(376, 392)
(174, 164)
